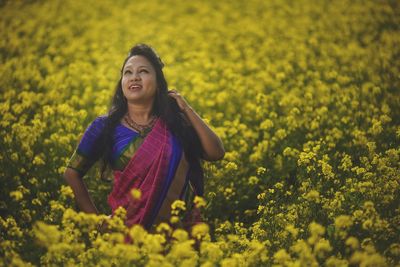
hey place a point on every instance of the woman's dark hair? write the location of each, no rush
(165, 107)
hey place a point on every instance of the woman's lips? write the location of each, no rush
(135, 87)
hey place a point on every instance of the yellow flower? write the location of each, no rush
(211, 251)
(178, 205)
(261, 170)
(281, 256)
(322, 247)
(200, 230)
(261, 196)
(316, 229)
(278, 185)
(183, 251)
(343, 221)
(253, 180)
(36, 202)
(326, 169)
(231, 166)
(14, 157)
(199, 202)
(164, 227)
(367, 224)
(38, 160)
(313, 196)
(46, 234)
(153, 243)
(174, 219)
(336, 262)
(292, 230)
(16, 195)
(136, 194)
(395, 249)
(352, 242)
(137, 233)
(360, 258)
(266, 124)
(66, 191)
(180, 235)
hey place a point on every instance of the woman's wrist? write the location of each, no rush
(186, 109)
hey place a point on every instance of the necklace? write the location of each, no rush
(141, 128)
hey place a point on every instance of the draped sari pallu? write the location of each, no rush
(159, 170)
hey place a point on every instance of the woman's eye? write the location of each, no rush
(140, 71)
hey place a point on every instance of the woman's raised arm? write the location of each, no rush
(211, 143)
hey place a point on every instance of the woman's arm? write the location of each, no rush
(81, 193)
(211, 143)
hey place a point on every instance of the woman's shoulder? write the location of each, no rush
(100, 119)
(97, 124)
(88, 145)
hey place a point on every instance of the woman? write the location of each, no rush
(153, 141)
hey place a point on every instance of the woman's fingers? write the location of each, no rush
(179, 99)
(172, 94)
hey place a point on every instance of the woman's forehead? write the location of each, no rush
(137, 61)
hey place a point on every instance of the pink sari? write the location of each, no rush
(147, 171)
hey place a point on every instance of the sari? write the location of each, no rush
(155, 164)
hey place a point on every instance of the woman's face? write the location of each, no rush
(139, 83)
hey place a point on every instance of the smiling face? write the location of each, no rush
(139, 83)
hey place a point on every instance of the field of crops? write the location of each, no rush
(304, 94)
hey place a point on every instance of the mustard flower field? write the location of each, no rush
(304, 94)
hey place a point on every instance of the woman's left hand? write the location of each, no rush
(183, 105)
(212, 144)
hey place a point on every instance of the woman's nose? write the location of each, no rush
(135, 76)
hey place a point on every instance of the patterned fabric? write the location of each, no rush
(159, 165)
(146, 171)
(125, 143)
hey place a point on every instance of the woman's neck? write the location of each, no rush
(140, 113)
